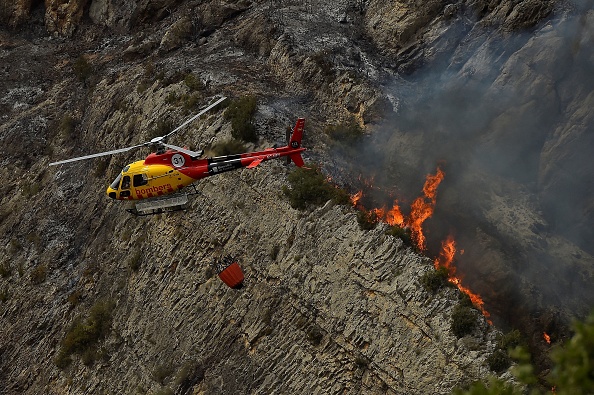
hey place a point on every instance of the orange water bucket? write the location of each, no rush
(232, 275)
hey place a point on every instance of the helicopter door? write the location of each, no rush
(125, 187)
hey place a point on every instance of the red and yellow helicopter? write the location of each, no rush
(157, 180)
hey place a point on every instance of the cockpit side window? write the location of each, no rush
(116, 183)
(140, 179)
(126, 182)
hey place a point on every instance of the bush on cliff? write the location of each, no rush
(82, 337)
(241, 112)
(310, 187)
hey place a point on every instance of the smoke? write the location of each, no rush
(511, 122)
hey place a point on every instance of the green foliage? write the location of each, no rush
(434, 280)
(66, 126)
(193, 83)
(274, 252)
(75, 297)
(190, 373)
(4, 294)
(510, 340)
(84, 335)
(499, 361)
(164, 391)
(324, 61)
(367, 219)
(82, 68)
(572, 372)
(310, 186)
(463, 320)
(493, 387)
(38, 274)
(228, 147)
(403, 234)
(135, 260)
(161, 128)
(191, 101)
(30, 189)
(5, 269)
(345, 133)
(315, 335)
(362, 362)
(142, 87)
(574, 363)
(241, 112)
(101, 167)
(161, 373)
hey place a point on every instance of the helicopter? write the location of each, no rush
(157, 181)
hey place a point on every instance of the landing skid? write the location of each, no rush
(160, 205)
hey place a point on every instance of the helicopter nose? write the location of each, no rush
(111, 193)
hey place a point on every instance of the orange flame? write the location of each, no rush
(446, 259)
(546, 337)
(394, 216)
(356, 197)
(422, 208)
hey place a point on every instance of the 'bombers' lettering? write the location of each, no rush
(155, 189)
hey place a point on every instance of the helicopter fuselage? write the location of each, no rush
(168, 172)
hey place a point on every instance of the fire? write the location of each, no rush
(394, 216)
(546, 337)
(356, 197)
(422, 208)
(446, 255)
(446, 259)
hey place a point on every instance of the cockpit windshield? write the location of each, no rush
(116, 183)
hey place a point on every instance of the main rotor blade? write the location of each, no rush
(195, 116)
(185, 151)
(117, 151)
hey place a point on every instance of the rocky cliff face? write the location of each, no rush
(327, 307)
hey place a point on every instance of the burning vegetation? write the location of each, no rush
(420, 210)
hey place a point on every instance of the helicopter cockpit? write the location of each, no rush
(112, 190)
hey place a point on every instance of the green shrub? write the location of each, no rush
(494, 386)
(5, 269)
(82, 68)
(241, 112)
(463, 320)
(66, 126)
(161, 373)
(324, 62)
(345, 133)
(134, 261)
(193, 83)
(510, 340)
(499, 361)
(315, 335)
(83, 335)
(403, 234)
(4, 294)
(228, 147)
(38, 274)
(310, 186)
(571, 373)
(434, 280)
(191, 101)
(75, 297)
(367, 219)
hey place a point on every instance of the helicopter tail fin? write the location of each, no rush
(297, 134)
(295, 142)
(297, 159)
